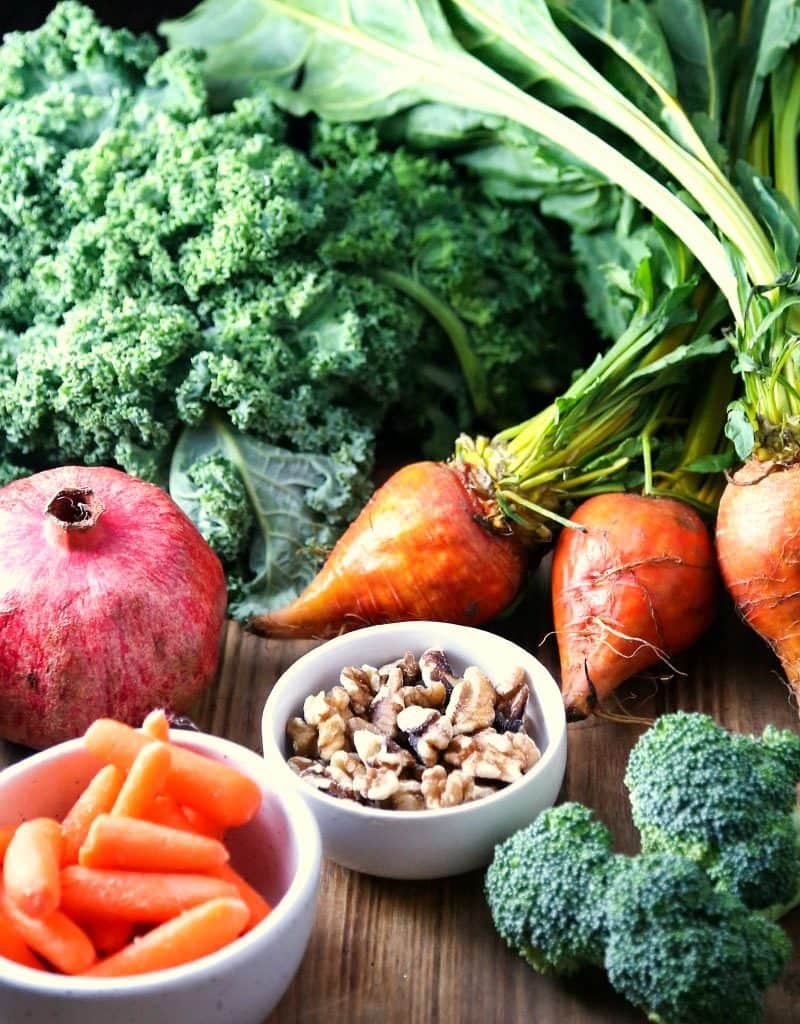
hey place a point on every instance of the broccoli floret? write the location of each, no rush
(684, 952)
(725, 800)
(546, 887)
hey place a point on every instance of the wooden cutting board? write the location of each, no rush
(388, 952)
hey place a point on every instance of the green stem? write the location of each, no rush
(787, 117)
(454, 328)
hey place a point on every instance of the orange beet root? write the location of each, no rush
(758, 545)
(421, 548)
(638, 586)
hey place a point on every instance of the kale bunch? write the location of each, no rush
(166, 267)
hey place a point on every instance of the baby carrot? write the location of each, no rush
(97, 798)
(145, 780)
(117, 842)
(109, 935)
(255, 902)
(156, 725)
(203, 824)
(142, 896)
(165, 811)
(223, 793)
(193, 934)
(6, 832)
(56, 937)
(13, 948)
(31, 867)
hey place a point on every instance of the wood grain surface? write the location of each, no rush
(387, 952)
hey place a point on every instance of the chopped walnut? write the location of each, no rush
(377, 783)
(303, 737)
(344, 769)
(357, 684)
(492, 755)
(411, 735)
(436, 673)
(512, 697)
(441, 788)
(408, 796)
(427, 730)
(471, 705)
(318, 775)
(387, 703)
(408, 665)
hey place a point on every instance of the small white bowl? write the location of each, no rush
(430, 843)
(279, 853)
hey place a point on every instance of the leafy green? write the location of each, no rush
(164, 264)
(300, 503)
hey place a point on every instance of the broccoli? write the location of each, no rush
(546, 885)
(670, 942)
(725, 800)
(684, 952)
(165, 265)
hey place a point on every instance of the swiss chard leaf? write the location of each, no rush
(702, 44)
(358, 60)
(769, 28)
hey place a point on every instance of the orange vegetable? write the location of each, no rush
(97, 798)
(423, 547)
(256, 904)
(193, 934)
(165, 811)
(219, 791)
(758, 528)
(636, 586)
(13, 948)
(142, 896)
(203, 824)
(109, 935)
(31, 867)
(156, 725)
(56, 937)
(146, 779)
(6, 832)
(117, 842)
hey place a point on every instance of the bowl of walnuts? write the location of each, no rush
(418, 746)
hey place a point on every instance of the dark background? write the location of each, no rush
(141, 15)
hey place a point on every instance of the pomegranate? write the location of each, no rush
(111, 603)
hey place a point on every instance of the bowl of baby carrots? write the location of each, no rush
(154, 875)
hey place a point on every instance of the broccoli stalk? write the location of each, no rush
(671, 943)
(727, 801)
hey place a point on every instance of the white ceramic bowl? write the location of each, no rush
(279, 853)
(430, 843)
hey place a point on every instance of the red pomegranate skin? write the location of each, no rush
(110, 615)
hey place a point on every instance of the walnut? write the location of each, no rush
(512, 698)
(492, 755)
(329, 713)
(344, 769)
(437, 674)
(318, 776)
(377, 783)
(303, 737)
(471, 705)
(443, 789)
(424, 696)
(387, 703)
(357, 684)
(428, 732)
(408, 796)
(375, 749)
(408, 665)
